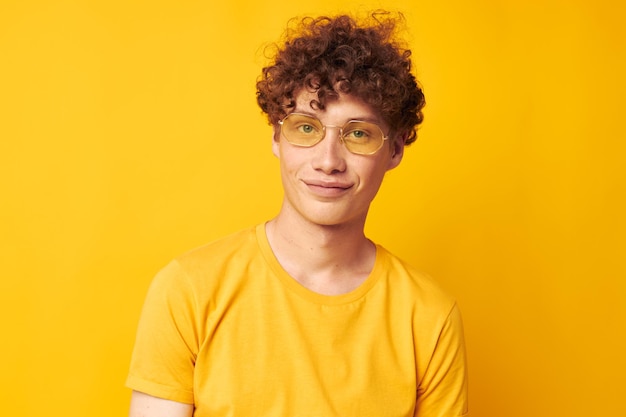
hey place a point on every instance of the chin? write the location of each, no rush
(334, 220)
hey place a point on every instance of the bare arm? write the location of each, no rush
(144, 405)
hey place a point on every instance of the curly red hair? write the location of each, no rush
(340, 55)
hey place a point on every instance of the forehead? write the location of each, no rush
(340, 109)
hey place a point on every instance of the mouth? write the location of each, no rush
(328, 189)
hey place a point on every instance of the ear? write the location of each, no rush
(397, 150)
(275, 141)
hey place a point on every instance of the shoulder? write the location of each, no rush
(415, 287)
(207, 265)
(238, 243)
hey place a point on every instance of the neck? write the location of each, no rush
(326, 259)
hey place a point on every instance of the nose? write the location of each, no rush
(330, 152)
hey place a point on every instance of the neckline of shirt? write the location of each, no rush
(312, 296)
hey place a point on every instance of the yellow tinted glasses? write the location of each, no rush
(362, 138)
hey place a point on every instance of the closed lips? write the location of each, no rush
(328, 184)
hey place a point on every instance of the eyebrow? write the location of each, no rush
(369, 119)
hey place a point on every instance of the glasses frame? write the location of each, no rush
(382, 142)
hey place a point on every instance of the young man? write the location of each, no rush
(303, 315)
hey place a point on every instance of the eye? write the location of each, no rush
(302, 125)
(358, 134)
(306, 129)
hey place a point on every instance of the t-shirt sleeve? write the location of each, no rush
(442, 392)
(166, 346)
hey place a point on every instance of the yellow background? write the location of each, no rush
(129, 133)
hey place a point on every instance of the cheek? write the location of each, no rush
(370, 178)
(290, 162)
(374, 169)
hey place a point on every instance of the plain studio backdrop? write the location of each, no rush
(129, 133)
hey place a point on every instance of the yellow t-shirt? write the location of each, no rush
(225, 328)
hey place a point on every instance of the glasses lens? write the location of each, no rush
(302, 130)
(362, 137)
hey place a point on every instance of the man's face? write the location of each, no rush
(326, 184)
